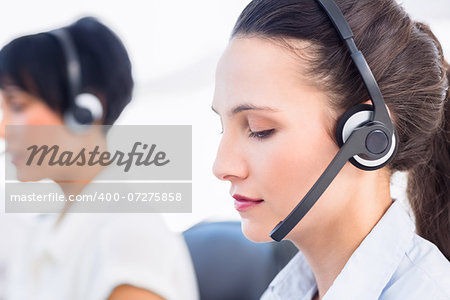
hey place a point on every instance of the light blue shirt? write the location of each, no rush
(392, 262)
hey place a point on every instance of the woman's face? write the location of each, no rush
(28, 112)
(277, 135)
(22, 108)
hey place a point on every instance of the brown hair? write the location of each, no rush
(408, 64)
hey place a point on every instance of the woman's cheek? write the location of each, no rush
(295, 164)
(43, 116)
(277, 173)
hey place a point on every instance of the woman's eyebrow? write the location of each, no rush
(244, 107)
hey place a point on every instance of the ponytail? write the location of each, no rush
(429, 182)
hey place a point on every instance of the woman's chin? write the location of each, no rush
(256, 232)
(27, 176)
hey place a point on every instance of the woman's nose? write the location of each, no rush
(230, 163)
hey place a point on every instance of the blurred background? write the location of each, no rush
(174, 47)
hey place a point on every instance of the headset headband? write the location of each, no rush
(346, 34)
(72, 61)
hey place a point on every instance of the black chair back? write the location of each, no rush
(229, 266)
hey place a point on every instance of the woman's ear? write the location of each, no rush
(370, 103)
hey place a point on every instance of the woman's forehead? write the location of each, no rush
(260, 72)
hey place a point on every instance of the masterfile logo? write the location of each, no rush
(91, 158)
(145, 168)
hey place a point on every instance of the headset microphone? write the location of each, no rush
(365, 133)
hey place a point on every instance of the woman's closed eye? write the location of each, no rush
(13, 102)
(16, 106)
(261, 134)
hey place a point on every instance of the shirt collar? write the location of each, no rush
(58, 240)
(373, 263)
(294, 279)
(368, 270)
(55, 243)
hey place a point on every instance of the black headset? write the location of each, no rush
(365, 133)
(84, 108)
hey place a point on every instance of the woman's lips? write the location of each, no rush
(242, 203)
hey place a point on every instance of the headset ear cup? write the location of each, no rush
(83, 116)
(356, 117)
(387, 159)
(88, 109)
(345, 117)
(85, 110)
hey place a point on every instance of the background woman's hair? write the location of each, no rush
(406, 60)
(36, 64)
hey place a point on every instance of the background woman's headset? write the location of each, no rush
(84, 108)
(365, 133)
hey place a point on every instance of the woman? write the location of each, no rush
(282, 84)
(81, 256)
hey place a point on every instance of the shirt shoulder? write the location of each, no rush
(140, 250)
(423, 273)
